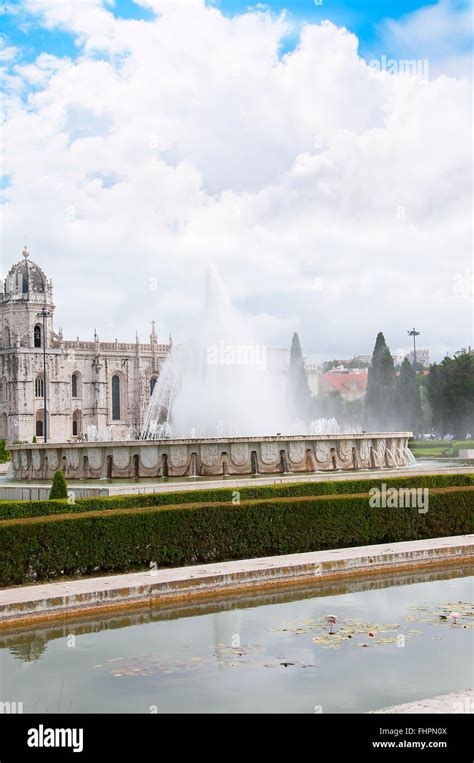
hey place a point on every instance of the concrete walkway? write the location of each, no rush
(456, 702)
(37, 491)
(25, 604)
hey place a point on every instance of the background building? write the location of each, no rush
(351, 383)
(313, 372)
(106, 385)
(422, 356)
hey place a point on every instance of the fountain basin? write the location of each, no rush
(214, 456)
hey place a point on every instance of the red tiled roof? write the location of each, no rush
(425, 372)
(343, 382)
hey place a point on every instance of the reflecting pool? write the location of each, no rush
(394, 641)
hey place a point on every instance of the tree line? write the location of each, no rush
(408, 399)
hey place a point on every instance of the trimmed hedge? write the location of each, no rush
(123, 541)
(23, 509)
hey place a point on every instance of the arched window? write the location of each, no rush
(76, 384)
(3, 426)
(153, 381)
(116, 398)
(39, 387)
(37, 335)
(76, 424)
(39, 428)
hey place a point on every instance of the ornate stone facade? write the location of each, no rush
(105, 384)
(210, 457)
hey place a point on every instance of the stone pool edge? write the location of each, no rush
(28, 605)
(455, 702)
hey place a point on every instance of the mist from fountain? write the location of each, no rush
(220, 383)
(98, 434)
(410, 458)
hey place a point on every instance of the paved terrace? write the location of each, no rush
(12, 490)
(455, 702)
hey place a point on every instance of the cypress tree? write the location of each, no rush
(380, 397)
(408, 399)
(59, 486)
(299, 394)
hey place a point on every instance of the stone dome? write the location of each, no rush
(25, 277)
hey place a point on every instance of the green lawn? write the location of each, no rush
(446, 448)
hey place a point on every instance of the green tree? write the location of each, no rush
(435, 395)
(59, 486)
(352, 413)
(451, 394)
(426, 409)
(332, 405)
(299, 394)
(379, 410)
(409, 415)
(354, 363)
(4, 454)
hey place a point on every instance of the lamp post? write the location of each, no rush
(44, 314)
(414, 333)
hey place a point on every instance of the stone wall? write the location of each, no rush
(211, 457)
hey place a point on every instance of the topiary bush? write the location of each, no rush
(59, 486)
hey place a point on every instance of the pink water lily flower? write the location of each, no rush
(331, 620)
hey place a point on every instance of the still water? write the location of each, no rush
(395, 641)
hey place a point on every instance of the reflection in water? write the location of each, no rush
(30, 645)
(29, 649)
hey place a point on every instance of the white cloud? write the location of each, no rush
(333, 199)
(440, 33)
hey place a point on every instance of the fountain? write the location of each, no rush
(221, 383)
(217, 383)
(219, 407)
(97, 434)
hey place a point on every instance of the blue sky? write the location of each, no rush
(360, 16)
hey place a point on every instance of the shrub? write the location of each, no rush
(4, 454)
(19, 509)
(120, 541)
(59, 486)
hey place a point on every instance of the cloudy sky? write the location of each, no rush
(283, 143)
